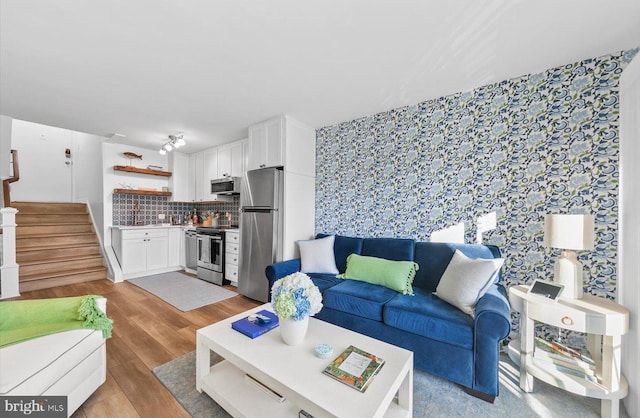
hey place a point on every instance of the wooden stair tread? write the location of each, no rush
(66, 272)
(57, 247)
(49, 207)
(59, 259)
(50, 282)
(69, 234)
(40, 223)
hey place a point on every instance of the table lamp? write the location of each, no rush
(569, 232)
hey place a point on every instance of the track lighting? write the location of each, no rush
(175, 141)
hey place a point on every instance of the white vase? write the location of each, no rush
(293, 332)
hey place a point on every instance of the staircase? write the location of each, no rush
(56, 245)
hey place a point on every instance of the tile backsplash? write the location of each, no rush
(152, 206)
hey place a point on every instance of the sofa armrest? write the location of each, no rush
(277, 271)
(492, 324)
(493, 314)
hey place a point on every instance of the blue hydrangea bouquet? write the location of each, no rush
(296, 297)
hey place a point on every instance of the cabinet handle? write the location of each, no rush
(263, 165)
(566, 320)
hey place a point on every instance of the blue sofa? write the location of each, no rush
(445, 341)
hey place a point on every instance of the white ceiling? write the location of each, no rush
(210, 68)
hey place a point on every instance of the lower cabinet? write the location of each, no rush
(145, 251)
(231, 256)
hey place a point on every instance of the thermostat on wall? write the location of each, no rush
(547, 289)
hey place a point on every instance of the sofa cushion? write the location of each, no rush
(466, 280)
(434, 257)
(399, 249)
(358, 298)
(396, 275)
(343, 247)
(324, 280)
(426, 315)
(32, 366)
(316, 255)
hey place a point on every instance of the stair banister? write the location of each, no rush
(6, 184)
(9, 279)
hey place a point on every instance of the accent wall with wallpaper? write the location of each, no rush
(520, 148)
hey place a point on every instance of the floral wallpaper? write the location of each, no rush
(522, 148)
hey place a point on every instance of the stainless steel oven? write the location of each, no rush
(210, 250)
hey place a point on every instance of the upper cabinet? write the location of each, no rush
(231, 159)
(265, 144)
(282, 141)
(224, 161)
(179, 183)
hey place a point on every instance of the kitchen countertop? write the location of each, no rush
(170, 226)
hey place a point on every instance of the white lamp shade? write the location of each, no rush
(569, 232)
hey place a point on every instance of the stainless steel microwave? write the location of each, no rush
(227, 185)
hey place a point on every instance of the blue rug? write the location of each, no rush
(432, 396)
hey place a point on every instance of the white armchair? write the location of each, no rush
(71, 363)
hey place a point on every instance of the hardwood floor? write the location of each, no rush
(147, 332)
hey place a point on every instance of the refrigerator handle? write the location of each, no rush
(258, 210)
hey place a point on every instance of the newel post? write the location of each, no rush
(9, 282)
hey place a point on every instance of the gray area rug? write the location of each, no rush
(182, 291)
(432, 396)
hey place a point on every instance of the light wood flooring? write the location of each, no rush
(147, 332)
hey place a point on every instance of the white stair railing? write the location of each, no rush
(9, 280)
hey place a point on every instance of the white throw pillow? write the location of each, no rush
(466, 280)
(316, 255)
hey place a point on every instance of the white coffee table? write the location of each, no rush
(296, 373)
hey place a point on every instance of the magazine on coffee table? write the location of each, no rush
(355, 368)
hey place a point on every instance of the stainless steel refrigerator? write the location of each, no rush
(261, 200)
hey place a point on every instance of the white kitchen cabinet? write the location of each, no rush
(157, 252)
(191, 196)
(232, 255)
(266, 144)
(199, 180)
(210, 167)
(141, 250)
(176, 247)
(134, 256)
(179, 183)
(231, 159)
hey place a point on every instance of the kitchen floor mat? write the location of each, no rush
(182, 291)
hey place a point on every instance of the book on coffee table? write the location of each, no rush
(355, 368)
(257, 324)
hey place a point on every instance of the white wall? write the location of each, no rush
(5, 147)
(44, 174)
(112, 155)
(5, 151)
(87, 175)
(629, 228)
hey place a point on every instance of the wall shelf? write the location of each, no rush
(132, 169)
(143, 192)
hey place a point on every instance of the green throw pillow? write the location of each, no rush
(396, 275)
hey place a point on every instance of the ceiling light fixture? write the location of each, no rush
(175, 141)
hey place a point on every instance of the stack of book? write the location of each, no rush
(570, 360)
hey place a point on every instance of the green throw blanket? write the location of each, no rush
(23, 320)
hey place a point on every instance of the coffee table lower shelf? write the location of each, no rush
(226, 384)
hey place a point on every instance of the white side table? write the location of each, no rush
(603, 321)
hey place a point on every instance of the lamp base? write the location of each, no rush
(568, 272)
